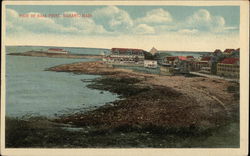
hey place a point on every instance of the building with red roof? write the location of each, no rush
(206, 58)
(190, 57)
(171, 60)
(182, 58)
(230, 61)
(229, 67)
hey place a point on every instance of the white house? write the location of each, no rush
(150, 63)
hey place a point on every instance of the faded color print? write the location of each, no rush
(122, 76)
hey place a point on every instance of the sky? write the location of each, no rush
(184, 28)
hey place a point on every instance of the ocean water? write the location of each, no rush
(73, 50)
(186, 53)
(30, 90)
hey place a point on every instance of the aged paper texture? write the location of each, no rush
(124, 78)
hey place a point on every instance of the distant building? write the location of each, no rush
(174, 61)
(204, 62)
(166, 69)
(228, 51)
(228, 67)
(150, 63)
(190, 58)
(125, 55)
(153, 51)
(57, 51)
(206, 70)
(170, 60)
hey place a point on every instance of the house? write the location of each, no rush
(228, 51)
(56, 51)
(206, 70)
(153, 51)
(150, 63)
(171, 60)
(190, 58)
(174, 60)
(166, 69)
(126, 55)
(229, 67)
(203, 62)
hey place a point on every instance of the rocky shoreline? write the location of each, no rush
(147, 101)
(153, 111)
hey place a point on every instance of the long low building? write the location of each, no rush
(125, 55)
(229, 67)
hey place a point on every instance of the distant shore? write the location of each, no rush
(53, 55)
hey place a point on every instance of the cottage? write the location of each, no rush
(125, 55)
(150, 63)
(204, 62)
(229, 67)
(166, 69)
(56, 51)
(190, 58)
(171, 60)
(174, 60)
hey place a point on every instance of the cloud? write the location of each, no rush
(202, 20)
(28, 24)
(113, 19)
(143, 29)
(156, 16)
(61, 25)
(188, 31)
(82, 25)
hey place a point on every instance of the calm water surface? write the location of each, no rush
(31, 90)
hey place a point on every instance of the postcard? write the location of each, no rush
(124, 78)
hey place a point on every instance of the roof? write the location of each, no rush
(153, 50)
(206, 58)
(228, 50)
(171, 58)
(230, 60)
(125, 50)
(55, 49)
(182, 58)
(237, 50)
